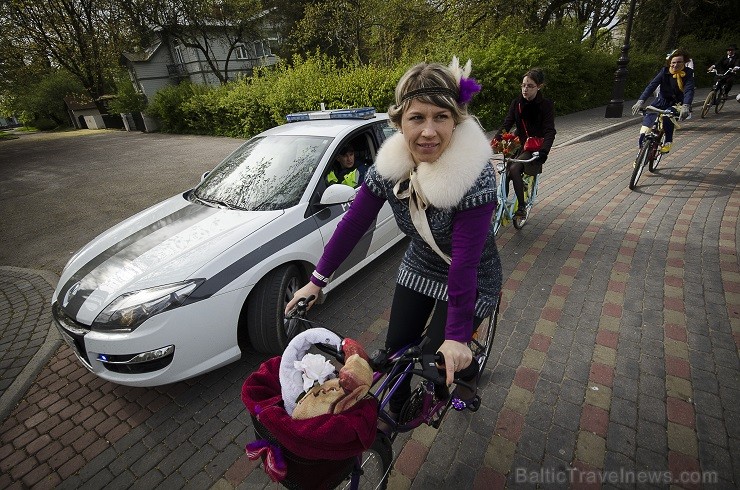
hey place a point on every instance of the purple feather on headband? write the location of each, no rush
(468, 88)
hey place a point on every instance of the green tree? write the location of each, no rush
(41, 102)
(79, 36)
(364, 31)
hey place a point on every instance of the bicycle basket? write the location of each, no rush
(307, 444)
(305, 473)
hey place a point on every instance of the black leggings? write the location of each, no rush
(410, 313)
(514, 172)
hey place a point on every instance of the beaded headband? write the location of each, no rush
(420, 92)
(467, 86)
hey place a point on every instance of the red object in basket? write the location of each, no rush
(331, 436)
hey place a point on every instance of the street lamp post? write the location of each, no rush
(615, 106)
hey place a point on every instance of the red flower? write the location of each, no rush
(508, 144)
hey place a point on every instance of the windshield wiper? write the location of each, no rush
(217, 202)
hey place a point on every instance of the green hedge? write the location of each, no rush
(577, 78)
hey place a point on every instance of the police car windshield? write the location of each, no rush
(266, 173)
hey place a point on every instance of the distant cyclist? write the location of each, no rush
(676, 86)
(534, 118)
(727, 62)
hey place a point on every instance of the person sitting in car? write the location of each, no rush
(346, 169)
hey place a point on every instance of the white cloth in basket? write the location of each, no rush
(291, 379)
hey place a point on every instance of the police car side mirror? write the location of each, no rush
(203, 177)
(338, 194)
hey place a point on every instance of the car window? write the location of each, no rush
(386, 130)
(265, 173)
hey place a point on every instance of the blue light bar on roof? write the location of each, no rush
(357, 113)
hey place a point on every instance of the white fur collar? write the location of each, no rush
(445, 181)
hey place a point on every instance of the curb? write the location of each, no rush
(598, 133)
(17, 390)
(612, 128)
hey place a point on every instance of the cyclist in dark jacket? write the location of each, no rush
(533, 115)
(727, 62)
(676, 83)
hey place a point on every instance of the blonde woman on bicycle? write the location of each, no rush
(676, 87)
(534, 117)
(435, 175)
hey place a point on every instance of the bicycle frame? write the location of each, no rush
(714, 98)
(649, 154)
(508, 207)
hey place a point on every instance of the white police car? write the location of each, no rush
(187, 285)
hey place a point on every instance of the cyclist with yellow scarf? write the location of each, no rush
(676, 87)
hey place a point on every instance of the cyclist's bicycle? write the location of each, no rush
(650, 154)
(715, 97)
(506, 210)
(428, 404)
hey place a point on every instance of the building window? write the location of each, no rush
(241, 52)
(178, 55)
(262, 48)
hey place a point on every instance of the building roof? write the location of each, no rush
(144, 55)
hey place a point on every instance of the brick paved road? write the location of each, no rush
(617, 350)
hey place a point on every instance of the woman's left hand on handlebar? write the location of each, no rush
(457, 357)
(306, 291)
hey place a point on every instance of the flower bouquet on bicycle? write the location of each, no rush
(508, 145)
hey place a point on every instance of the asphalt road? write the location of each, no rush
(59, 191)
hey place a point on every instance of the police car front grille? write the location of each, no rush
(72, 331)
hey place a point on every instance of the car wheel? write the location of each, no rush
(265, 307)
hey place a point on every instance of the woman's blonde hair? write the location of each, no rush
(432, 83)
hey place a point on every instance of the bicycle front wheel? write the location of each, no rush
(655, 155)
(482, 340)
(498, 215)
(375, 466)
(642, 159)
(720, 102)
(707, 104)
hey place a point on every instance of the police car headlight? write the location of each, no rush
(130, 310)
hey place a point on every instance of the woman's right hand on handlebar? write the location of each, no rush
(306, 291)
(457, 356)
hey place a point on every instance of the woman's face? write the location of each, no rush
(677, 63)
(529, 88)
(427, 129)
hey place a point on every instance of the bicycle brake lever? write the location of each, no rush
(300, 309)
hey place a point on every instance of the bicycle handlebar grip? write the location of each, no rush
(429, 367)
(301, 307)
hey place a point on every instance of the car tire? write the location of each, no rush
(266, 306)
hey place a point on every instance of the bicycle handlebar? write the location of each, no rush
(670, 112)
(379, 361)
(499, 156)
(729, 70)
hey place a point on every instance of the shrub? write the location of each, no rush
(171, 107)
(578, 77)
(127, 98)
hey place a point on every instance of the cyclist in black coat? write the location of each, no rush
(534, 116)
(727, 62)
